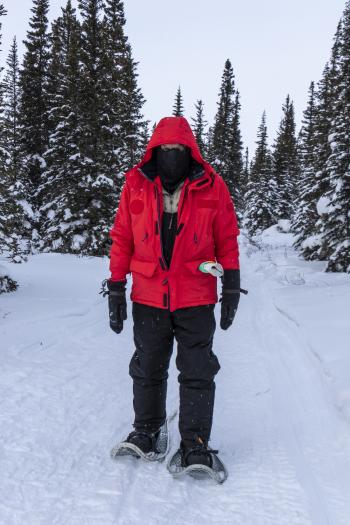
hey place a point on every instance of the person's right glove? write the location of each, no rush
(116, 303)
(231, 290)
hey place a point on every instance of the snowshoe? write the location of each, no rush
(148, 446)
(199, 461)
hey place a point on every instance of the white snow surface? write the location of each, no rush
(282, 412)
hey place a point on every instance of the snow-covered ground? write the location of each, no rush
(282, 414)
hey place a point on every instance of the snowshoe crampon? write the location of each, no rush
(124, 448)
(217, 471)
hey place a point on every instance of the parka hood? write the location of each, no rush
(172, 130)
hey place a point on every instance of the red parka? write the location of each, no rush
(207, 228)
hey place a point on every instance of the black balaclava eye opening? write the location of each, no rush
(173, 166)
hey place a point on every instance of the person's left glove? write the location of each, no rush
(231, 282)
(116, 303)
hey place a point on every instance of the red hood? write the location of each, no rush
(172, 130)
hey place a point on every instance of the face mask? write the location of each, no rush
(173, 166)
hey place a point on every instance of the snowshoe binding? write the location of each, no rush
(150, 446)
(199, 461)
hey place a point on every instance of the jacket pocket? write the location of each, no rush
(146, 268)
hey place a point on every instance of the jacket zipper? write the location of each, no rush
(182, 204)
(160, 229)
(166, 296)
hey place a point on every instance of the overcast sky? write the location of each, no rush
(275, 46)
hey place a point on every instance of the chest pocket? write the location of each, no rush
(203, 238)
(141, 212)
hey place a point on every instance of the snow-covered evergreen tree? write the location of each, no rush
(326, 96)
(11, 94)
(3, 151)
(133, 128)
(286, 163)
(178, 107)
(225, 150)
(4, 159)
(336, 228)
(199, 126)
(305, 213)
(261, 194)
(62, 193)
(132, 118)
(117, 156)
(235, 158)
(93, 196)
(8, 208)
(15, 219)
(220, 140)
(34, 101)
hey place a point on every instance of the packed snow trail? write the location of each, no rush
(66, 399)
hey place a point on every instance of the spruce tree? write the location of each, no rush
(178, 108)
(117, 157)
(336, 232)
(305, 213)
(11, 213)
(225, 151)
(91, 197)
(199, 125)
(4, 158)
(222, 123)
(260, 197)
(326, 97)
(286, 163)
(17, 206)
(132, 120)
(34, 100)
(112, 129)
(124, 98)
(62, 191)
(11, 93)
(235, 158)
(3, 153)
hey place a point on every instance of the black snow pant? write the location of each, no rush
(154, 332)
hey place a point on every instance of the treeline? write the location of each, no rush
(72, 125)
(308, 180)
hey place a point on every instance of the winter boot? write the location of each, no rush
(196, 453)
(145, 441)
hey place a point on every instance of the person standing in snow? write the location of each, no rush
(175, 212)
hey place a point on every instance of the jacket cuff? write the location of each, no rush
(231, 280)
(116, 286)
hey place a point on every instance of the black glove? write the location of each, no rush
(116, 303)
(231, 290)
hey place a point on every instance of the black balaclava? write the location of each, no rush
(173, 166)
